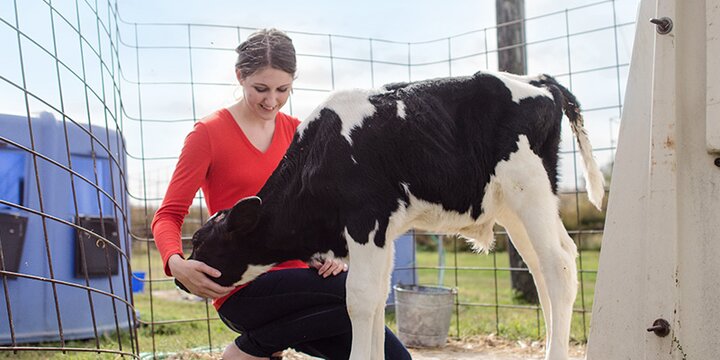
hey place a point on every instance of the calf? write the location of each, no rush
(452, 155)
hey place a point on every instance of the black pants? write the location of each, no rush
(300, 309)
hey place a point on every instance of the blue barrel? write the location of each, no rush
(33, 308)
(404, 272)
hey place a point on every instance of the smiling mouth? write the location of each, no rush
(268, 108)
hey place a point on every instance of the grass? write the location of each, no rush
(476, 310)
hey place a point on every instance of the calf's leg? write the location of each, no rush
(527, 193)
(367, 289)
(558, 273)
(519, 237)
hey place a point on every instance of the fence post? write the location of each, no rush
(510, 15)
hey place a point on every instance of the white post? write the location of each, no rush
(661, 249)
(713, 74)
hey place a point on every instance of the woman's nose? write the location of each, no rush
(274, 98)
(270, 101)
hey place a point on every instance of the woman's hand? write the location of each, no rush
(194, 275)
(327, 267)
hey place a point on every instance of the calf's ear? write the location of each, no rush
(244, 215)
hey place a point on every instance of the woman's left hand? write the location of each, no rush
(329, 267)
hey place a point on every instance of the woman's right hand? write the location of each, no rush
(194, 275)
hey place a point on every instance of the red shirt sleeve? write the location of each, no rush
(188, 177)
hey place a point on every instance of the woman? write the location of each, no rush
(230, 154)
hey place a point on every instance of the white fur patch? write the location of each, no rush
(252, 272)
(352, 106)
(429, 216)
(522, 164)
(401, 109)
(329, 255)
(520, 86)
(405, 187)
(421, 214)
(524, 181)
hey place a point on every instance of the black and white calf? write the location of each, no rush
(452, 155)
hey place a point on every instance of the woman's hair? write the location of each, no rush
(263, 48)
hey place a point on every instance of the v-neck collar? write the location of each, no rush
(247, 141)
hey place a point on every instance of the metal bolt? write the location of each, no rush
(663, 25)
(660, 327)
(717, 162)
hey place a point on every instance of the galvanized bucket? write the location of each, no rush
(423, 314)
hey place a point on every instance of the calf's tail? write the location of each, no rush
(594, 179)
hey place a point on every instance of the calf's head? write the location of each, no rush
(225, 242)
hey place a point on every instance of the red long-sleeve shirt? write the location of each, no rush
(218, 158)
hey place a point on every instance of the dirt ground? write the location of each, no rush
(474, 348)
(490, 348)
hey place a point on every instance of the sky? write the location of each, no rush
(398, 20)
(437, 30)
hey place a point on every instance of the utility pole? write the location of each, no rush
(510, 15)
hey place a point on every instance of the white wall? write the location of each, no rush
(661, 247)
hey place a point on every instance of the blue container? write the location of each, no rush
(404, 269)
(32, 246)
(138, 281)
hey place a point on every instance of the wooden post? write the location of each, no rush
(511, 58)
(511, 36)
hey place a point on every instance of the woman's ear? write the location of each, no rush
(244, 215)
(238, 75)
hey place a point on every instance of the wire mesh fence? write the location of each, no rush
(64, 242)
(95, 109)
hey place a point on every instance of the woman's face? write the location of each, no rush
(266, 91)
